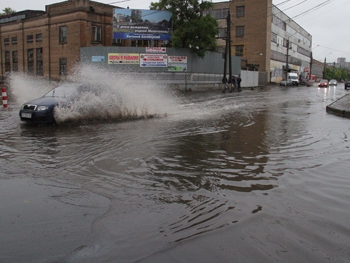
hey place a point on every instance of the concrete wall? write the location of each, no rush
(201, 73)
(212, 63)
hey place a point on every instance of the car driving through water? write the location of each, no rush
(42, 110)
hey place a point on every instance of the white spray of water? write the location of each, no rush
(123, 96)
(23, 87)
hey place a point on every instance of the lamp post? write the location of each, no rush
(324, 66)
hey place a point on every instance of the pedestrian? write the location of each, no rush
(234, 83)
(239, 80)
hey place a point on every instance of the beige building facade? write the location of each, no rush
(260, 34)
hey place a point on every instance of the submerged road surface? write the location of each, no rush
(256, 176)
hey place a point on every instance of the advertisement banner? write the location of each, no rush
(123, 58)
(153, 60)
(138, 24)
(177, 59)
(177, 63)
(156, 49)
(98, 58)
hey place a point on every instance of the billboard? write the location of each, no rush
(177, 63)
(153, 60)
(139, 24)
(123, 58)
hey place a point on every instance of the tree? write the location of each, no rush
(192, 28)
(7, 11)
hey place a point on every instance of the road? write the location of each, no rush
(256, 176)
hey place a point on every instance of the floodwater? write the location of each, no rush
(256, 176)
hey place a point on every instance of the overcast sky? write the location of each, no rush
(325, 20)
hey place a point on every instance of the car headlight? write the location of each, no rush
(40, 108)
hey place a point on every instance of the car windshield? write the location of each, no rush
(64, 91)
(293, 77)
(323, 80)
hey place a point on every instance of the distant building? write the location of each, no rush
(264, 37)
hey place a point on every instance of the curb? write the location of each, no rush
(340, 107)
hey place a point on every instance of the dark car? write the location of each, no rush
(323, 83)
(41, 110)
(347, 84)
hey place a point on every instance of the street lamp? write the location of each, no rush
(256, 54)
(324, 65)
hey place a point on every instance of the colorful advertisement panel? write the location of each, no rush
(98, 58)
(139, 24)
(123, 58)
(177, 63)
(153, 60)
(156, 49)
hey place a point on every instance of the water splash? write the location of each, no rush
(123, 96)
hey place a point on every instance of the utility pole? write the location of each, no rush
(228, 53)
(310, 63)
(287, 66)
(229, 50)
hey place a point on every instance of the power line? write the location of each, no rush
(314, 8)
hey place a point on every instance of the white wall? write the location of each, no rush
(249, 78)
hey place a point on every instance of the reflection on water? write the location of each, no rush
(263, 169)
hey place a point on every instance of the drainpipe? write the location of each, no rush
(23, 53)
(48, 44)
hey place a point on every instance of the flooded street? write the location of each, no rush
(256, 176)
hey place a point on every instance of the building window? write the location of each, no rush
(96, 34)
(239, 31)
(240, 11)
(217, 13)
(39, 61)
(279, 22)
(39, 37)
(15, 60)
(6, 41)
(7, 61)
(239, 50)
(30, 39)
(274, 37)
(222, 33)
(117, 42)
(63, 66)
(30, 59)
(14, 40)
(63, 34)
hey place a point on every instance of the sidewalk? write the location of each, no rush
(340, 107)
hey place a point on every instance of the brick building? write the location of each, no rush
(47, 43)
(260, 34)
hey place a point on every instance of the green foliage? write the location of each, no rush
(7, 11)
(191, 28)
(337, 73)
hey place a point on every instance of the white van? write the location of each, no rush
(294, 78)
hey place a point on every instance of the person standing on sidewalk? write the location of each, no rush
(239, 80)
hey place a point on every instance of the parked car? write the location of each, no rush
(332, 82)
(323, 83)
(286, 82)
(41, 110)
(347, 84)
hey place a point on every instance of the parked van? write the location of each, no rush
(294, 78)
